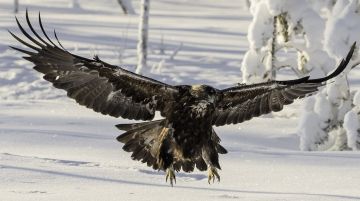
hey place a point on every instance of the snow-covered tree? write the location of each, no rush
(352, 124)
(309, 130)
(352, 128)
(143, 35)
(126, 6)
(256, 65)
(341, 30)
(320, 33)
(277, 27)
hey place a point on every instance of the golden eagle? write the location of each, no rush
(185, 138)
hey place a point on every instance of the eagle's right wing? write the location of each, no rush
(241, 103)
(91, 82)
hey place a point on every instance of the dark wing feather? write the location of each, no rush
(93, 83)
(241, 103)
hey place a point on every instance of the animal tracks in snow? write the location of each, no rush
(7, 156)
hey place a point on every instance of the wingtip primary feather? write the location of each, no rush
(57, 39)
(23, 42)
(21, 50)
(28, 35)
(339, 69)
(33, 30)
(293, 82)
(351, 52)
(44, 32)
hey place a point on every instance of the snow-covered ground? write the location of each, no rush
(53, 149)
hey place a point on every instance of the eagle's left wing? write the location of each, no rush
(241, 103)
(105, 88)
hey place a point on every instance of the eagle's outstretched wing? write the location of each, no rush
(241, 103)
(91, 82)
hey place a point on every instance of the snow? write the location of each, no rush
(298, 27)
(356, 99)
(308, 104)
(256, 66)
(340, 31)
(343, 28)
(261, 28)
(310, 131)
(253, 68)
(300, 12)
(53, 149)
(352, 126)
(323, 108)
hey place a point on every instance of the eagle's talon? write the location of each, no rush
(170, 174)
(212, 174)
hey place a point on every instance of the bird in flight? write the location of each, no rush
(184, 138)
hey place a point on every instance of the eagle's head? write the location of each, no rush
(204, 92)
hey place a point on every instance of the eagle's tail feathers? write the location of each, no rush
(149, 142)
(142, 140)
(127, 127)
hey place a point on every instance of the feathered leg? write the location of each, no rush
(212, 174)
(170, 174)
(165, 157)
(211, 158)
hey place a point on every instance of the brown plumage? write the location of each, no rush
(185, 138)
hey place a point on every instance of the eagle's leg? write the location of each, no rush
(212, 174)
(211, 158)
(165, 157)
(170, 174)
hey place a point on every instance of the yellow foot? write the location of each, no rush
(170, 174)
(212, 174)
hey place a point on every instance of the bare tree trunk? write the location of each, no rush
(127, 7)
(74, 4)
(16, 6)
(143, 35)
(273, 49)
